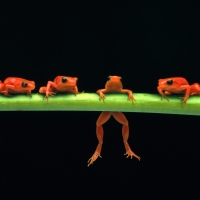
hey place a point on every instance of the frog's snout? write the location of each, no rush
(160, 81)
(32, 85)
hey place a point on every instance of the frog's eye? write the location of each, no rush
(169, 82)
(108, 78)
(24, 84)
(64, 80)
(120, 78)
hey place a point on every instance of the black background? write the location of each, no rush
(46, 153)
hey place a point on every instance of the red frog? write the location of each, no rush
(113, 85)
(60, 84)
(176, 85)
(14, 85)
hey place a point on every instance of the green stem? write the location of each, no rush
(145, 103)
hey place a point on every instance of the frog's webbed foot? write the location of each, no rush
(131, 98)
(131, 154)
(184, 101)
(102, 96)
(164, 97)
(93, 158)
(29, 93)
(52, 93)
(78, 92)
(49, 94)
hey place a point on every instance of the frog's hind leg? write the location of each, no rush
(120, 117)
(103, 118)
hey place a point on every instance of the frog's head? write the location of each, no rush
(28, 85)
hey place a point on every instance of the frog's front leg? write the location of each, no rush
(43, 90)
(163, 94)
(187, 95)
(29, 93)
(120, 117)
(103, 118)
(76, 90)
(49, 89)
(101, 94)
(130, 94)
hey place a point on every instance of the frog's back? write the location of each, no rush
(181, 80)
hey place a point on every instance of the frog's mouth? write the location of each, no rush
(72, 82)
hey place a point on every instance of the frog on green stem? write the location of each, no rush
(113, 84)
(15, 85)
(61, 84)
(176, 85)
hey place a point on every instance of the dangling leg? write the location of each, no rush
(103, 118)
(120, 117)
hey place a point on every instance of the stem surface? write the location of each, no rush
(145, 103)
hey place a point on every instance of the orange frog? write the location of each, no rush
(113, 85)
(176, 85)
(60, 84)
(14, 85)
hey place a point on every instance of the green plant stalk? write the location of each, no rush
(145, 103)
